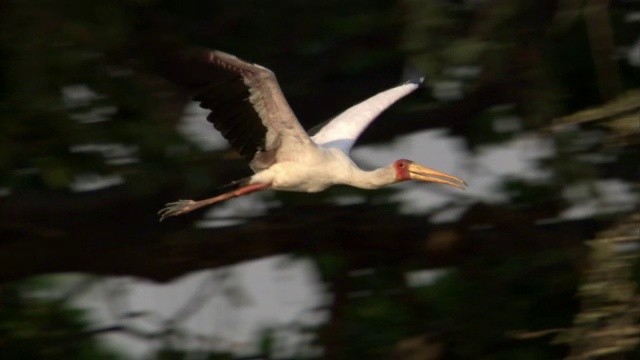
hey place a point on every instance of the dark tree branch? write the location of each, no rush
(109, 232)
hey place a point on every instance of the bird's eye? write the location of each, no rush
(401, 165)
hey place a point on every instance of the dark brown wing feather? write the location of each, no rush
(220, 86)
(247, 105)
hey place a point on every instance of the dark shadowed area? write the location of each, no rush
(538, 263)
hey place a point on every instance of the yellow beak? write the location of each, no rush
(423, 173)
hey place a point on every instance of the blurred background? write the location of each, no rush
(536, 103)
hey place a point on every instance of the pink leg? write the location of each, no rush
(184, 206)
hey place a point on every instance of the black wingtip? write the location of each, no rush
(411, 74)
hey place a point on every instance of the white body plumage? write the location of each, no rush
(318, 169)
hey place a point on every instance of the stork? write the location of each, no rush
(247, 106)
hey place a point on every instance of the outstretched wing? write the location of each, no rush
(343, 130)
(247, 105)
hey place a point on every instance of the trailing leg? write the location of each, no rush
(184, 206)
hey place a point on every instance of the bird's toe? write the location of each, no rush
(175, 208)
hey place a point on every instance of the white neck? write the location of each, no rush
(372, 179)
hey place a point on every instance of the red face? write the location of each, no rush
(408, 170)
(402, 169)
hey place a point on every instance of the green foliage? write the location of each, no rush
(377, 317)
(477, 307)
(69, 87)
(375, 325)
(484, 302)
(34, 325)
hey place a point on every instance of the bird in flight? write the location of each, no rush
(247, 106)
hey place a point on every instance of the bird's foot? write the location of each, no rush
(176, 208)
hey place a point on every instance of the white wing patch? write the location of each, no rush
(343, 131)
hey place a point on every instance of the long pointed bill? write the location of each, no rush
(423, 173)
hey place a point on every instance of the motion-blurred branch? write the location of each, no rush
(620, 115)
(123, 237)
(609, 322)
